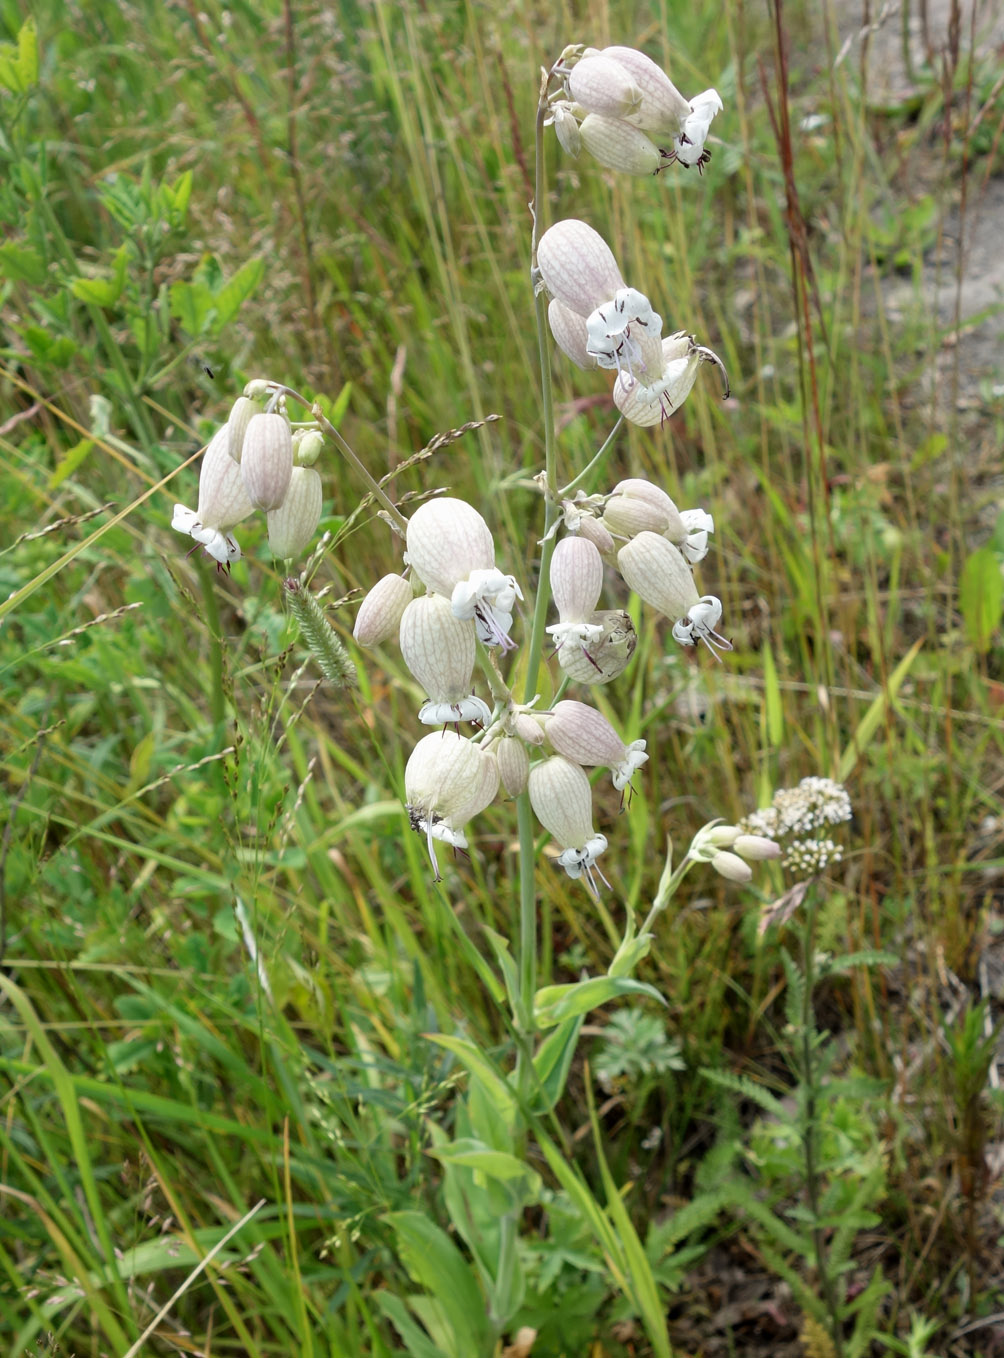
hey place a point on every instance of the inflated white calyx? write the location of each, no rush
(657, 572)
(448, 780)
(637, 506)
(292, 526)
(617, 145)
(223, 502)
(589, 659)
(562, 801)
(450, 548)
(380, 613)
(602, 85)
(577, 266)
(662, 109)
(439, 650)
(582, 734)
(576, 575)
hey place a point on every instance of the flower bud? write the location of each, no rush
(379, 616)
(604, 86)
(731, 866)
(528, 729)
(619, 146)
(307, 446)
(576, 576)
(582, 734)
(657, 572)
(637, 506)
(447, 540)
(240, 416)
(439, 651)
(756, 848)
(267, 460)
(566, 128)
(602, 657)
(514, 765)
(597, 533)
(577, 266)
(294, 523)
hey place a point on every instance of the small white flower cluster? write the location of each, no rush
(623, 109)
(796, 815)
(599, 322)
(450, 778)
(653, 546)
(256, 462)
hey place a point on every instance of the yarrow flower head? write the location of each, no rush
(797, 818)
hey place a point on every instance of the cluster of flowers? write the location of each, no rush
(256, 461)
(449, 778)
(623, 109)
(798, 817)
(599, 322)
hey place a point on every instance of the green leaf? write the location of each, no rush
(69, 463)
(434, 1262)
(875, 715)
(417, 1342)
(103, 292)
(773, 707)
(19, 65)
(191, 304)
(471, 1153)
(553, 1061)
(230, 298)
(479, 1066)
(22, 264)
(981, 593)
(556, 1002)
(507, 965)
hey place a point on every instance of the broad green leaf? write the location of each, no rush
(474, 1154)
(231, 297)
(981, 593)
(556, 1002)
(191, 304)
(434, 1262)
(417, 1342)
(22, 264)
(478, 1064)
(103, 292)
(19, 65)
(507, 965)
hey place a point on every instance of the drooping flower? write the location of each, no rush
(450, 548)
(582, 734)
(599, 660)
(294, 523)
(448, 780)
(266, 464)
(576, 576)
(658, 573)
(562, 801)
(223, 503)
(380, 613)
(438, 649)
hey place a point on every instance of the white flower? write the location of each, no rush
(447, 780)
(223, 502)
(700, 624)
(582, 734)
(380, 613)
(267, 460)
(438, 649)
(562, 801)
(576, 576)
(697, 524)
(625, 334)
(577, 266)
(488, 597)
(688, 147)
(294, 523)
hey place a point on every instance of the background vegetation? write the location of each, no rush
(222, 951)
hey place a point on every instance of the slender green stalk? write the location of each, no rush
(808, 1073)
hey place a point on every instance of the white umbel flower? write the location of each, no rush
(223, 502)
(439, 650)
(562, 801)
(448, 780)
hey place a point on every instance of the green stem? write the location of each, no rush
(809, 1078)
